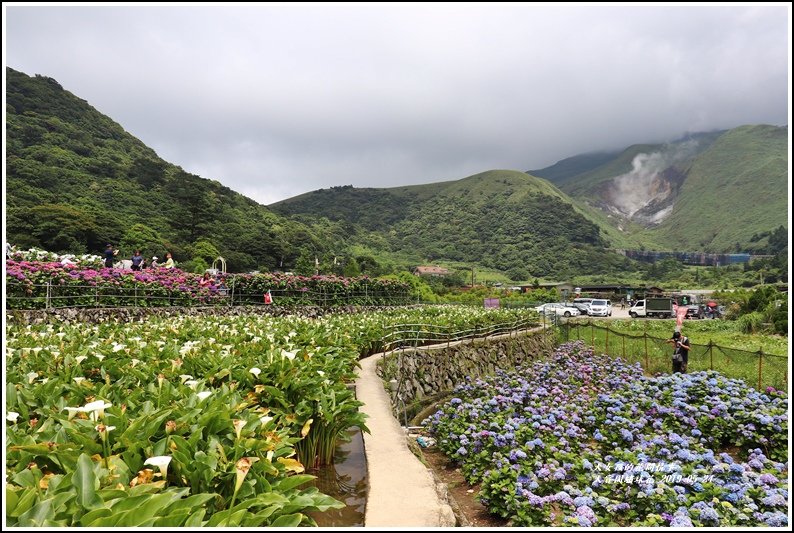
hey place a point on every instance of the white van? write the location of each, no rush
(600, 308)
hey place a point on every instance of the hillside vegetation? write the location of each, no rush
(77, 181)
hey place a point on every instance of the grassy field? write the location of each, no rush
(759, 360)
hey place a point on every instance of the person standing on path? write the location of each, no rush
(137, 260)
(169, 261)
(110, 254)
(680, 352)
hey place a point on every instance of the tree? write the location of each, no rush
(204, 250)
(304, 266)
(142, 237)
(148, 172)
(194, 209)
(351, 269)
(61, 228)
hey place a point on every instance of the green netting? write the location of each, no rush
(757, 369)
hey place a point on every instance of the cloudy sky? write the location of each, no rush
(277, 99)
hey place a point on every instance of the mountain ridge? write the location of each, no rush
(77, 180)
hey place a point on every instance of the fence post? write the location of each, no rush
(624, 346)
(606, 342)
(645, 337)
(760, 364)
(47, 297)
(711, 355)
(592, 334)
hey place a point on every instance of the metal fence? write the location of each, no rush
(57, 296)
(415, 335)
(655, 355)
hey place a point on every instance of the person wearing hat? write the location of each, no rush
(680, 353)
(110, 254)
(154, 263)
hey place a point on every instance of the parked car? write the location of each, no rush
(583, 304)
(695, 312)
(557, 309)
(600, 308)
(581, 307)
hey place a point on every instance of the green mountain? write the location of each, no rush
(76, 181)
(711, 192)
(505, 220)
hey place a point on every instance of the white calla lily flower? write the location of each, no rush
(12, 416)
(97, 407)
(238, 426)
(161, 462)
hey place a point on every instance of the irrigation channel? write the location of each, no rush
(346, 481)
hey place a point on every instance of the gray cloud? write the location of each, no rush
(274, 100)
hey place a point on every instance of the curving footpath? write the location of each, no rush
(402, 491)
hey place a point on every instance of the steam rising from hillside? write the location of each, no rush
(645, 184)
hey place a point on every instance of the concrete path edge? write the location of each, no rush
(403, 492)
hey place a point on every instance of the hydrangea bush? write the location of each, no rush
(586, 440)
(36, 281)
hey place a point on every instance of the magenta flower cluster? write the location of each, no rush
(29, 283)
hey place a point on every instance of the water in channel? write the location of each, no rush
(346, 481)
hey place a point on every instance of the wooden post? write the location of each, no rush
(647, 365)
(606, 342)
(624, 346)
(760, 364)
(711, 355)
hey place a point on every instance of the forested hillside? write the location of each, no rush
(501, 219)
(77, 181)
(712, 192)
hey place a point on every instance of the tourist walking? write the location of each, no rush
(680, 352)
(110, 254)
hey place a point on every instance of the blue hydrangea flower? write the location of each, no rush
(680, 520)
(709, 514)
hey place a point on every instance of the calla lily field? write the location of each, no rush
(148, 423)
(198, 421)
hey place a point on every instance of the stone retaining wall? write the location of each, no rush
(427, 372)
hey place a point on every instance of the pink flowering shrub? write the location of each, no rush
(37, 285)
